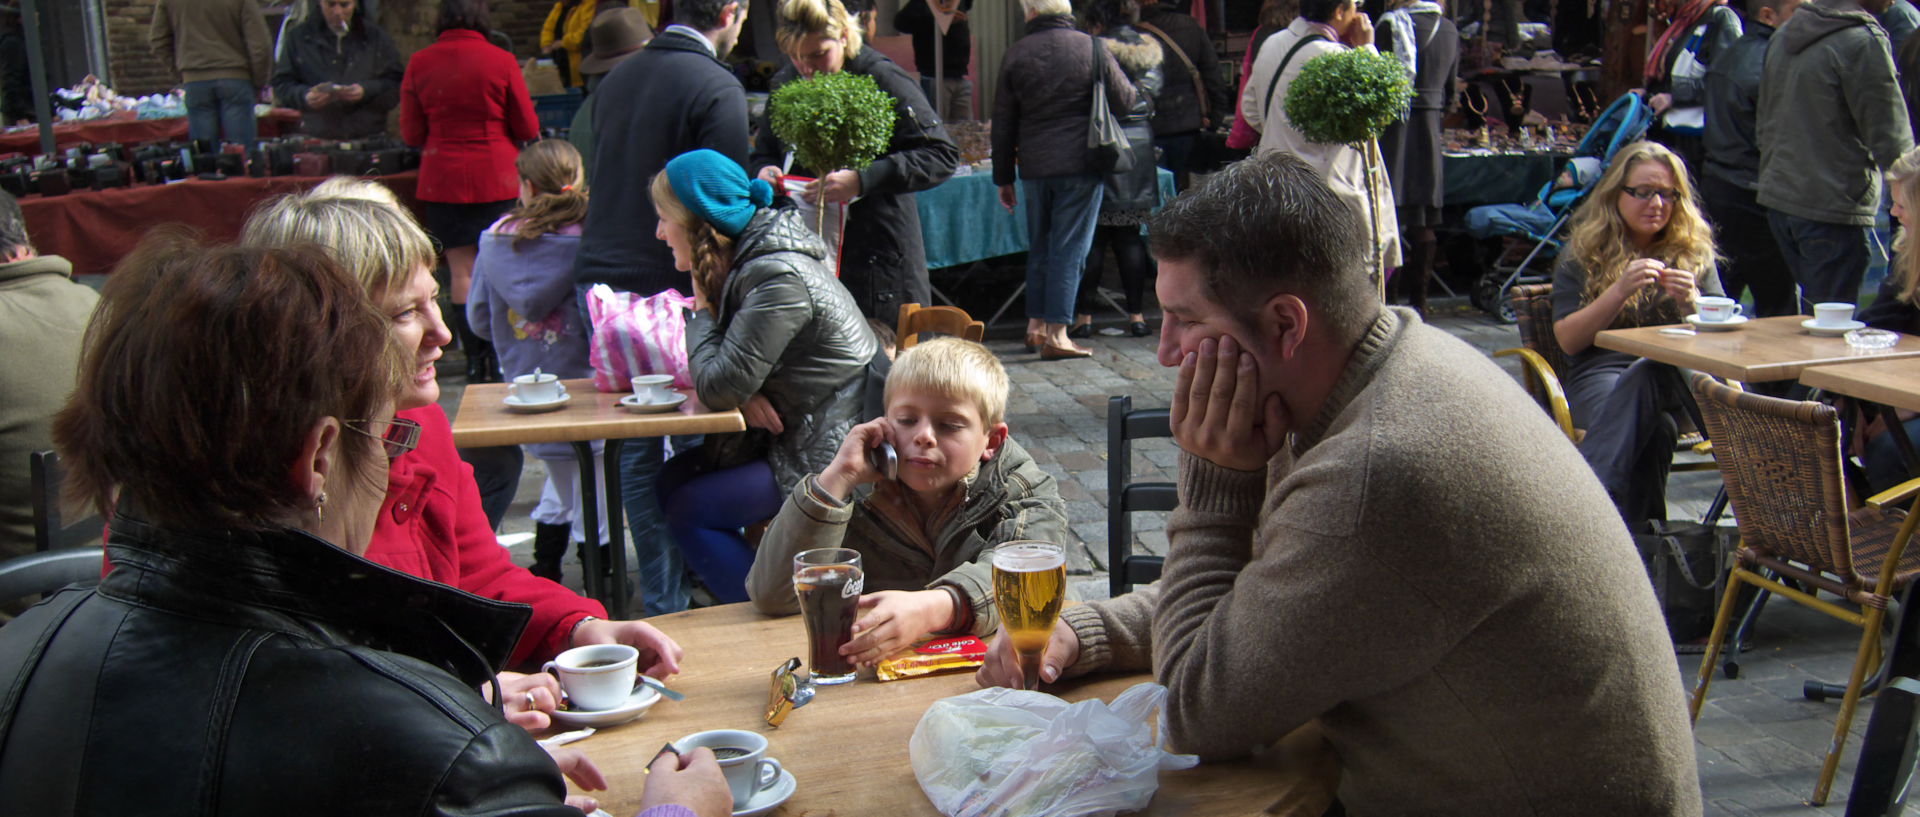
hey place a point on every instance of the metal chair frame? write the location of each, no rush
(1124, 497)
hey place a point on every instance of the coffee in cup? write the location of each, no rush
(538, 387)
(742, 758)
(597, 676)
(653, 388)
(1833, 315)
(1716, 309)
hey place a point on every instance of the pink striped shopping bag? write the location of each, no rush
(637, 334)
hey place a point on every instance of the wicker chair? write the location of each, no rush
(1540, 353)
(946, 320)
(1781, 463)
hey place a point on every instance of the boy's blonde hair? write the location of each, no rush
(368, 233)
(956, 368)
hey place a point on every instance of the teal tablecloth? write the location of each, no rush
(1500, 178)
(962, 221)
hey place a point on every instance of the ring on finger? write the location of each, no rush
(532, 702)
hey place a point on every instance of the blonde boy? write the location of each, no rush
(964, 486)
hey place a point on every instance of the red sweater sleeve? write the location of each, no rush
(432, 526)
(413, 120)
(522, 123)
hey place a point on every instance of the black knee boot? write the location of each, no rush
(549, 548)
(481, 366)
(1411, 281)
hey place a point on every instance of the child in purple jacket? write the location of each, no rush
(523, 302)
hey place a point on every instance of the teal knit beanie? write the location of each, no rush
(714, 188)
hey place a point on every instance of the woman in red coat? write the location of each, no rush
(464, 103)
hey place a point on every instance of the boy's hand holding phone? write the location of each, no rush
(863, 457)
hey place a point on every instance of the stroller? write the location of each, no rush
(1622, 123)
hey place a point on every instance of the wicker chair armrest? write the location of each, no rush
(1538, 368)
(1897, 494)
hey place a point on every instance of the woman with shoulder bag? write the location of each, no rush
(1131, 195)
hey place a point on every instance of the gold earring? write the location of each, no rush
(320, 506)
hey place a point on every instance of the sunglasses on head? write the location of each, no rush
(399, 436)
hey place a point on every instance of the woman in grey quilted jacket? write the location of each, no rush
(773, 334)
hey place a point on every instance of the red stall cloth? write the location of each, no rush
(125, 129)
(95, 229)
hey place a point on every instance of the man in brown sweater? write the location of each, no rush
(1379, 530)
(224, 56)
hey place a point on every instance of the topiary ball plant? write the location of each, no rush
(833, 121)
(1348, 97)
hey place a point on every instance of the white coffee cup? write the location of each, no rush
(747, 768)
(1833, 314)
(537, 388)
(1716, 309)
(653, 388)
(597, 676)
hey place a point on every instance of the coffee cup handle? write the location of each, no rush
(549, 668)
(563, 387)
(1736, 310)
(765, 773)
(513, 390)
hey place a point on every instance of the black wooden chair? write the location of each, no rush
(1124, 498)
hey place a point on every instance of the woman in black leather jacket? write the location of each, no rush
(775, 335)
(883, 259)
(234, 410)
(1132, 195)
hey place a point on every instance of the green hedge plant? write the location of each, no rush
(838, 121)
(1350, 97)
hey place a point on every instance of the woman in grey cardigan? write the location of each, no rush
(775, 335)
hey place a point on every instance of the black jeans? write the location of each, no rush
(1176, 154)
(496, 470)
(1130, 254)
(1827, 260)
(1753, 258)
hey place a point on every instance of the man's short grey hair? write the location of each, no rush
(1269, 225)
(1041, 8)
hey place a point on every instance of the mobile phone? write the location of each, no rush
(885, 460)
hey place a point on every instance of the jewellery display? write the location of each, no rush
(1516, 97)
(1481, 111)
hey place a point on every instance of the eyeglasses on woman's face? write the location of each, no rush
(398, 435)
(1665, 194)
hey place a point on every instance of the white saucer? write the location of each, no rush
(1727, 325)
(770, 798)
(632, 403)
(514, 403)
(638, 702)
(1830, 331)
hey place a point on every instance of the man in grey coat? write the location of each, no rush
(43, 314)
(1821, 152)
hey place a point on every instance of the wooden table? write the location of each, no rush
(483, 420)
(1878, 385)
(848, 751)
(1764, 349)
(1891, 382)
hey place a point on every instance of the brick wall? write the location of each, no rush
(138, 71)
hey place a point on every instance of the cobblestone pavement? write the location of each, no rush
(1759, 743)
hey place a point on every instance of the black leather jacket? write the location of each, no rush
(883, 258)
(312, 54)
(234, 673)
(786, 329)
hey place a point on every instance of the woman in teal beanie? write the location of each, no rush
(773, 334)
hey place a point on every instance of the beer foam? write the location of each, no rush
(1028, 560)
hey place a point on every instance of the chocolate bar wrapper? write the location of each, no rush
(928, 657)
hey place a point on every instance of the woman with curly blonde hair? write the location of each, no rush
(1640, 254)
(1895, 309)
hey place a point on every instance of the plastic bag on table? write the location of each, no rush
(1011, 753)
(637, 334)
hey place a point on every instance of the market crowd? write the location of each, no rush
(293, 531)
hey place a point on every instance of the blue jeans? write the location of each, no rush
(706, 511)
(1061, 213)
(663, 576)
(1828, 261)
(222, 110)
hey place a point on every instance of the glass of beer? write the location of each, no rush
(828, 582)
(1029, 583)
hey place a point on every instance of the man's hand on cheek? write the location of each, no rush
(1218, 411)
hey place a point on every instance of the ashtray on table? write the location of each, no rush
(1872, 339)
